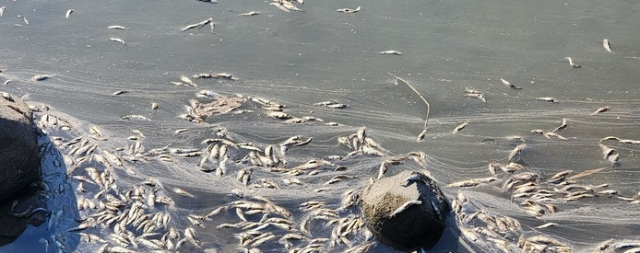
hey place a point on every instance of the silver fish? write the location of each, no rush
(119, 40)
(197, 25)
(348, 10)
(116, 27)
(599, 110)
(390, 52)
(405, 206)
(251, 13)
(119, 92)
(40, 77)
(548, 99)
(606, 45)
(66, 15)
(458, 128)
(508, 84)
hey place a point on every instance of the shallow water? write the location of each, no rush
(300, 58)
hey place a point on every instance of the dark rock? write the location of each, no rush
(19, 161)
(420, 225)
(20, 210)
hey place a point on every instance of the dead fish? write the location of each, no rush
(183, 192)
(119, 40)
(571, 62)
(120, 92)
(348, 10)
(515, 153)
(421, 135)
(390, 52)
(40, 77)
(606, 45)
(225, 75)
(7, 96)
(251, 13)
(465, 183)
(289, 5)
(198, 25)
(554, 134)
(279, 115)
(133, 116)
(458, 128)
(206, 94)
(69, 11)
(563, 124)
(116, 27)
(188, 81)
(337, 106)
(508, 84)
(24, 19)
(548, 99)
(405, 206)
(478, 96)
(607, 151)
(280, 6)
(599, 110)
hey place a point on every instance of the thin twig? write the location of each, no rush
(426, 121)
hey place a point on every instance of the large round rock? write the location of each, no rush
(406, 211)
(19, 162)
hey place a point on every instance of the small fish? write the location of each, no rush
(119, 40)
(405, 206)
(563, 124)
(289, 5)
(66, 15)
(251, 13)
(571, 63)
(24, 19)
(7, 96)
(390, 52)
(599, 110)
(470, 91)
(116, 27)
(206, 94)
(138, 117)
(421, 135)
(183, 192)
(197, 25)
(280, 6)
(548, 99)
(154, 106)
(337, 106)
(606, 45)
(40, 77)
(188, 81)
(508, 84)
(606, 151)
(475, 95)
(120, 92)
(348, 10)
(458, 128)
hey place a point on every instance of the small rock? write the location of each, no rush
(419, 225)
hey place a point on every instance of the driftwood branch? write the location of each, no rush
(426, 121)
